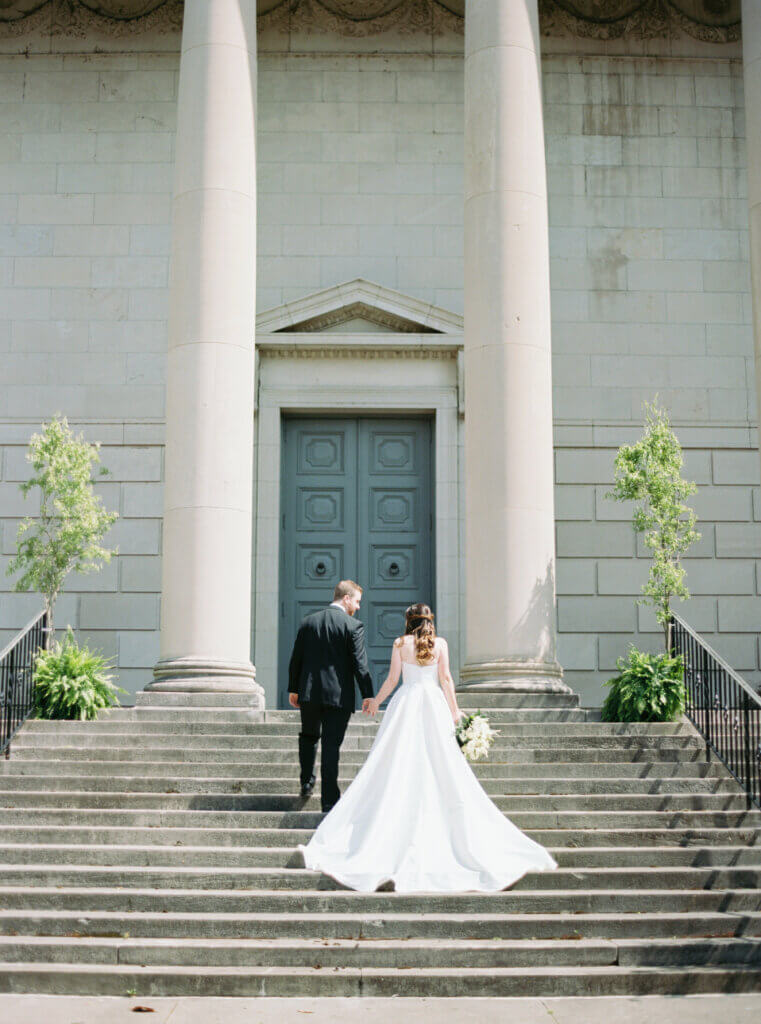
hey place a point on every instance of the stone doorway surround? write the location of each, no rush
(356, 348)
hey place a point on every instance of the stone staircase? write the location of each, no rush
(153, 853)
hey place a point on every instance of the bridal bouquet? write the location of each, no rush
(475, 735)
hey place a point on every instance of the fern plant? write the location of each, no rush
(648, 688)
(72, 682)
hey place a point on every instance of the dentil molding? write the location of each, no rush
(709, 20)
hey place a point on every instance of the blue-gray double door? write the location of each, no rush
(356, 504)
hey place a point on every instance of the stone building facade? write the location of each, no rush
(362, 309)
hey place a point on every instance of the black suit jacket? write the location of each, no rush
(328, 656)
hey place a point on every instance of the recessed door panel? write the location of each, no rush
(395, 508)
(320, 508)
(356, 504)
(393, 451)
(320, 451)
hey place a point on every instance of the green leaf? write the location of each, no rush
(67, 534)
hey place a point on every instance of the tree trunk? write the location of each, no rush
(49, 608)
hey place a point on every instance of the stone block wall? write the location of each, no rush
(117, 609)
(602, 564)
(650, 294)
(360, 174)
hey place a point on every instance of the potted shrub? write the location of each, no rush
(650, 687)
(70, 681)
(66, 535)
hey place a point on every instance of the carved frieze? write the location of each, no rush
(80, 18)
(713, 21)
(709, 20)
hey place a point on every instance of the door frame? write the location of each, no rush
(438, 394)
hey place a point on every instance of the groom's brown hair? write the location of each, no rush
(345, 587)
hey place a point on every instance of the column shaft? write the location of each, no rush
(510, 522)
(207, 530)
(751, 35)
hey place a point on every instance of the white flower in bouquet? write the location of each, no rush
(475, 736)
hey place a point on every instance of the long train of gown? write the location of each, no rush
(416, 813)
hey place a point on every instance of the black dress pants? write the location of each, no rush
(321, 720)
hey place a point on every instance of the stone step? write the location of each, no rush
(245, 952)
(359, 737)
(157, 699)
(155, 850)
(496, 786)
(235, 838)
(509, 804)
(474, 699)
(466, 699)
(118, 980)
(607, 751)
(297, 819)
(381, 925)
(288, 769)
(139, 722)
(211, 879)
(298, 901)
(288, 856)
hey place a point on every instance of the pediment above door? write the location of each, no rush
(358, 307)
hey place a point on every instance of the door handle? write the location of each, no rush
(320, 569)
(393, 569)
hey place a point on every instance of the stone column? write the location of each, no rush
(509, 501)
(751, 35)
(206, 581)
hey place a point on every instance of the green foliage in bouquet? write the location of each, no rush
(72, 682)
(649, 688)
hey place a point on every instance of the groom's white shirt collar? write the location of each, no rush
(337, 604)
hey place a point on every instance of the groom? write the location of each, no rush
(328, 656)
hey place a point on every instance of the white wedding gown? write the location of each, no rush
(416, 813)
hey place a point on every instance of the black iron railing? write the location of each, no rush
(16, 683)
(723, 707)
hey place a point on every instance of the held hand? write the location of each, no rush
(293, 700)
(370, 706)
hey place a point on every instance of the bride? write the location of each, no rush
(416, 814)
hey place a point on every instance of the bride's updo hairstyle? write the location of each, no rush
(419, 624)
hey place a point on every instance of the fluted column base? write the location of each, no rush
(513, 675)
(193, 675)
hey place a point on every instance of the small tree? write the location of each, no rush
(649, 472)
(72, 519)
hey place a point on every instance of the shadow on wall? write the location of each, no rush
(538, 620)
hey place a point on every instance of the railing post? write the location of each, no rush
(747, 742)
(10, 687)
(708, 695)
